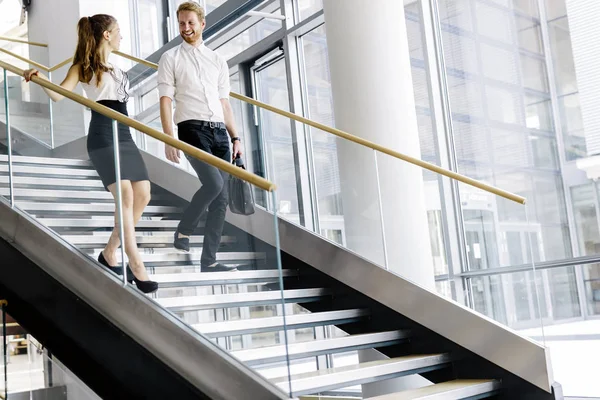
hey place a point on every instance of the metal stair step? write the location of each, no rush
(341, 377)
(273, 354)
(89, 209)
(220, 278)
(297, 321)
(189, 303)
(458, 389)
(157, 240)
(22, 193)
(107, 223)
(193, 258)
(50, 171)
(45, 161)
(81, 184)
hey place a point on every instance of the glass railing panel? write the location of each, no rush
(14, 53)
(329, 207)
(4, 350)
(6, 172)
(573, 342)
(345, 206)
(30, 107)
(504, 243)
(53, 377)
(69, 119)
(414, 209)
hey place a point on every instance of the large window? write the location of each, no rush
(505, 135)
(566, 80)
(320, 109)
(152, 26)
(276, 136)
(502, 115)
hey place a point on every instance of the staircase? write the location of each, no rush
(327, 323)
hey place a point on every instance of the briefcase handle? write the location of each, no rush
(238, 162)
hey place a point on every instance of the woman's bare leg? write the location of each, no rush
(135, 259)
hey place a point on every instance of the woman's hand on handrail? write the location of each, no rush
(29, 73)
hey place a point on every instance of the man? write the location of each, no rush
(198, 80)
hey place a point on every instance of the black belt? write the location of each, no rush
(202, 124)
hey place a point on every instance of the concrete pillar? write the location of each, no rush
(373, 98)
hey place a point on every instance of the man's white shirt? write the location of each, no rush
(196, 78)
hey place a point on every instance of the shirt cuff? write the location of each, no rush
(165, 90)
(224, 93)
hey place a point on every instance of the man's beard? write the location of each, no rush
(194, 38)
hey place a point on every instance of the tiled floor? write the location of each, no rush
(574, 352)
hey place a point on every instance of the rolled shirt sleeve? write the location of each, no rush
(166, 77)
(224, 85)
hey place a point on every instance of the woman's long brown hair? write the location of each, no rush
(90, 31)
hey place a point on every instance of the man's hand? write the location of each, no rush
(237, 150)
(172, 153)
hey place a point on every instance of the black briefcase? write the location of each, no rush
(241, 197)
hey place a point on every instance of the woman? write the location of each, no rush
(106, 84)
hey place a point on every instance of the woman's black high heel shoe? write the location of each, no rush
(116, 270)
(144, 286)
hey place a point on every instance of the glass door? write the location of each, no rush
(274, 147)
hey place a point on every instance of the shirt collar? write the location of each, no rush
(189, 47)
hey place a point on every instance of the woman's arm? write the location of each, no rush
(69, 83)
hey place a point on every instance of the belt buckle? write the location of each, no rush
(212, 125)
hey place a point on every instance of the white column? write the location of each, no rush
(373, 98)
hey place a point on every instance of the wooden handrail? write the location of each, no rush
(124, 55)
(171, 141)
(345, 135)
(15, 40)
(363, 142)
(61, 64)
(30, 62)
(137, 60)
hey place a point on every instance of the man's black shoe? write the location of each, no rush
(182, 244)
(218, 267)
